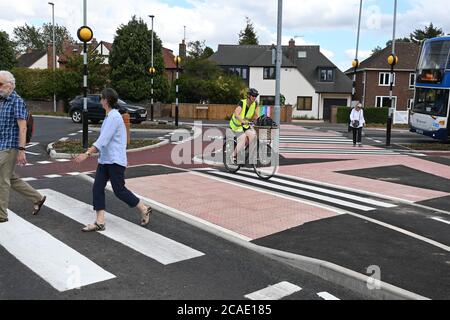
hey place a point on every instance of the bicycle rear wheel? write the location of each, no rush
(267, 164)
(228, 148)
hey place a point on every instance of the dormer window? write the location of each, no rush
(326, 74)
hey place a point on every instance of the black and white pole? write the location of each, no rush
(392, 60)
(278, 63)
(355, 63)
(85, 35)
(177, 62)
(152, 73)
(54, 55)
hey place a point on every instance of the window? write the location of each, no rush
(385, 102)
(431, 101)
(326, 75)
(267, 100)
(412, 80)
(385, 79)
(304, 103)
(241, 72)
(269, 73)
(302, 54)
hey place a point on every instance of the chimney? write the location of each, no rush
(291, 50)
(182, 51)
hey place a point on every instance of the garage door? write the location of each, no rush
(328, 103)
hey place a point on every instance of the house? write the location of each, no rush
(36, 59)
(309, 81)
(373, 77)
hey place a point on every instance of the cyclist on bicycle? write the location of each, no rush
(245, 112)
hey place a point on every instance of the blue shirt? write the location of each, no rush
(112, 143)
(12, 109)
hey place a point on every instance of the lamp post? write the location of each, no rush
(85, 35)
(355, 63)
(278, 63)
(392, 61)
(54, 54)
(177, 61)
(152, 73)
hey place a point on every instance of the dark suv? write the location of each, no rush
(96, 113)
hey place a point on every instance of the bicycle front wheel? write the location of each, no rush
(229, 164)
(267, 164)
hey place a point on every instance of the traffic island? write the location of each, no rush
(67, 149)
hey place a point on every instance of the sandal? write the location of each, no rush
(94, 227)
(38, 205)
(146, 217)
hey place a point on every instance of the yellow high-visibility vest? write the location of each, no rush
(235, 124)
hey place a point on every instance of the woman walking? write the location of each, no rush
(111, 146)
(357, 122)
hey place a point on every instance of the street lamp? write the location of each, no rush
(355, 63)
(85, 35)
(54, 55)
(177, 61)
(152, 73)
(392, 61)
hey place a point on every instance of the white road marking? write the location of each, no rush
(441, 220)
(44, 162)
(296, 191)
(274, 292)
(150, 244)
(73, 134)
(51, 259)
(28, 179)
(327, 296)
(63, 160)
(73, 173)
(52, 176)
(64, 139)
(331, 192)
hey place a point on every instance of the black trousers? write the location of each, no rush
(357, 135)
(115, 174)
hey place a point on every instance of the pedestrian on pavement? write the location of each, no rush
(112, 162)
(245, 112)
(357, 122)
(13, 130)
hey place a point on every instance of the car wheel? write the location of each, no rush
(76, 116)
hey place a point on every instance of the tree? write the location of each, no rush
(389, 43)
(131, 59)
(429, 32)
(376, 50)
(203, 80)
(197, 50)
(97, 70)
(28, 37)
(38, 38)
(248, 35)
(7, 55)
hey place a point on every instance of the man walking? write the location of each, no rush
(13, 129)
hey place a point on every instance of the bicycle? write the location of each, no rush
(266, 163)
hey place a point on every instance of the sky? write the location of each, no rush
(330, 24)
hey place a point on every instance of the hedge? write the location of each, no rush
(371, 115)
(37, 84)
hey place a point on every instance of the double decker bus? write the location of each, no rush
(430, 112)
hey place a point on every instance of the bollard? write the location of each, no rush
(126, 120)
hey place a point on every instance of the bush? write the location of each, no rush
(371, 115)
(37, 84)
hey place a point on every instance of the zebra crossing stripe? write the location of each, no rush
(327, 191)
(295, 191)
(274, 292)
(142, 240)
(55, 262)
(327, 296)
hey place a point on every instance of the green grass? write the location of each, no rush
(75, 147)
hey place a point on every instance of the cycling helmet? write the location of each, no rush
(252, 92)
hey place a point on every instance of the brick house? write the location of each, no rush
(373, 77)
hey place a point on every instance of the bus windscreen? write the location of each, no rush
(433, 102)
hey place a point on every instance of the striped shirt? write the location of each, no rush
(12, 108)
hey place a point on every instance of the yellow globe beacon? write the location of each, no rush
(85, 34)
(152, 70)
(355, 63)
(392, 59)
